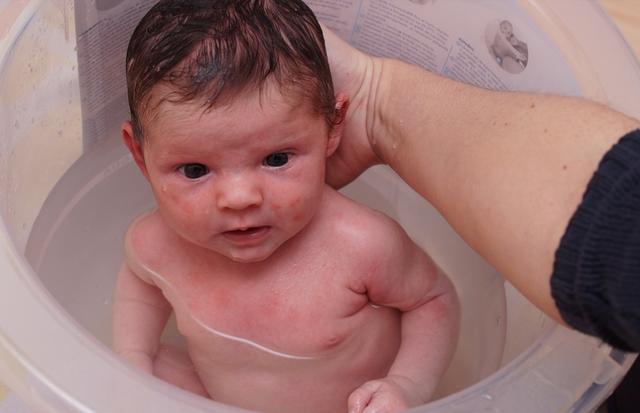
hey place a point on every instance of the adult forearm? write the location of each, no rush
(507, 170)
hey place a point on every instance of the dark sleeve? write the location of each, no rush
(596, 274)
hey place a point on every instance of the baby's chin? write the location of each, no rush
(249, 256)
(248, 259)
(255, 254)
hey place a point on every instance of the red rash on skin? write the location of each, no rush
(295, 203)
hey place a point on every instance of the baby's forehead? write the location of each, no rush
(165, 106)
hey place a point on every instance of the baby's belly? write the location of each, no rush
(246, 374)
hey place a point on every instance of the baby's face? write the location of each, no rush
(239, 180)
(506, 28)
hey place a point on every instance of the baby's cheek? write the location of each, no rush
(284, 209)
(300, 211)
(295, 203)
(297, 209)
(188, 206)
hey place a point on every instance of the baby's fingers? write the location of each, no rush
(377, 396)
(384, 403)
(361, 397)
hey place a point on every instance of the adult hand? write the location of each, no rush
(354, 74)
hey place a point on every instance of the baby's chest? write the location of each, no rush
(303, 316)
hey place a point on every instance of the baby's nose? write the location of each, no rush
(239, 192)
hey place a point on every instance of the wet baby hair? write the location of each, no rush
(210, 51)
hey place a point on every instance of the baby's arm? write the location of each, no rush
(140, 313)
(413, 284)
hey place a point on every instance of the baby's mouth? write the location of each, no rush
(246, 231)
(245, 235)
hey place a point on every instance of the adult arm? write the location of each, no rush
(507, 170)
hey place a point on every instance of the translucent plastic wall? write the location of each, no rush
(67, 195)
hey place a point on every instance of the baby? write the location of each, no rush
(291, 297)
(509, 51)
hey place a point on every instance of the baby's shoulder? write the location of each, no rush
(363, 227)
(147, 240)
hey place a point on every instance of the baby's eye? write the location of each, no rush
(276, 159)
(193, 170)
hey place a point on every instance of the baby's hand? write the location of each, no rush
(389, 395)
(138, 359)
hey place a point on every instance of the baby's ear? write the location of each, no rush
(135, 147)
(337, 127)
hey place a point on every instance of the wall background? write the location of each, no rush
(626, 15)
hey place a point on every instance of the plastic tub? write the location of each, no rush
(65, 204)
